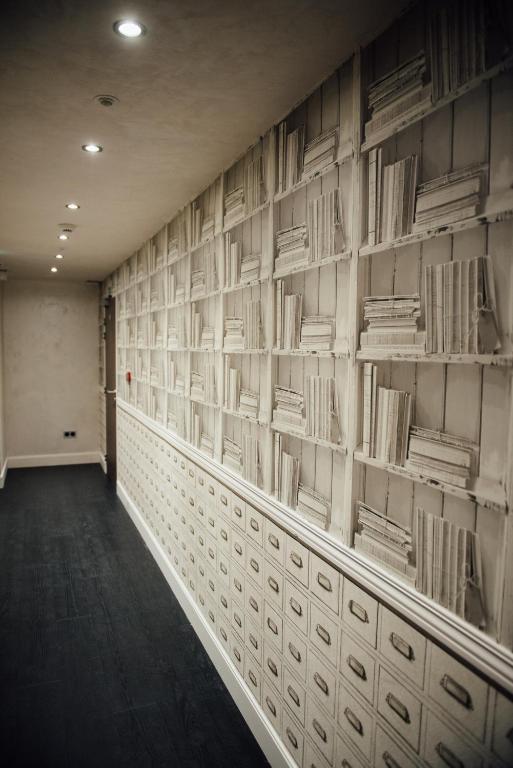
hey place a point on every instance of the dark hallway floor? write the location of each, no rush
(98, 663)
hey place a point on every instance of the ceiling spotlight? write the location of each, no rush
(129, 28)
(72, 206)
(59, 256)
(53, 269)
(62, 236)
(92, 148)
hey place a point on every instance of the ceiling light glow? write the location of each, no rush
(92, 148)
(62, 236)
(59, 256)
(73, 206)
(129, 28)
(53, 269)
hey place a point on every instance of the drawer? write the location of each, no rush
(273, 625)
(253, 641)
(312, 758)
(459, 691)
(387, 754)
(224, 602)
(201, 574)
(255, 525)
(237, 618)
(355, 721)
(322, 683)
(239, 549)
(360, 612)
(255, 565)
(357, 666)
(445, 749)
(344, 757)
(201, 511)
(296, 606)
(211, 585)
(237, 584)
(324, 634)
(502, 739)
(211, 549)
(273, 666)
(211, 523)
(253, 677)
(254, 604)
(403, 646)
(223, 568)
(201, 541)
(237, 652)
(191, 585)
(293, 738)
(320, 729)
(191, 474)
(273, 584)
(325, 582)
(238, 511)
(210, 490)
(271, 704)
(297, 560)
(274, 541)
(200, 480)
(211, 615)
(223, 633)
(295, 650)
(202, 599)
(400, 708)
(295, 696)
(224, 540)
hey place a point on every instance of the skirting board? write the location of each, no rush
(3, 474)
(103, 463)
(53, 459)
(263, 732)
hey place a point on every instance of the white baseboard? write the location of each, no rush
(262, 730)
(3, 474)
(103, 463)
(53, 459)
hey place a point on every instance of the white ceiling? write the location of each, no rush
(208, 78)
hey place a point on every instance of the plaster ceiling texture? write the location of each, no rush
(202, 85)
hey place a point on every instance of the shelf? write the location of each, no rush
(245, 351)
(470, 85)
(309, 439)
(308, 179)
(179, 349)
(202, 349)
(330, 353)
(498, 361)
(244, 417)
(497, 207)
(203, 402)
(344, 256)
(487, 493)
(178, 304)
(204, 296)
(177, 258)
(180, 395)
(241, 286)
(203, 243)
(246, 217)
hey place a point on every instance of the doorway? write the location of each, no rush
(110, 386)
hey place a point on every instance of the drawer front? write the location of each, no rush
(239, 549)
(324, 634)
(295, 650)
(274, 541)
(238, 584)
(445, 749)
(255, 525)
(325, 582)
(271, 704)
(360, 612)
(344, 757)
(400, 708)
(313, 759)
(237, 618)
(322, 683)
(255, 565)
(355, 722)
(253, 677)
(253, 641)
(459, 691)
(502, 740)
(296, 606)
(238, 511)
(297, 560)
(254, 604)
(387, 753)
(273, 666)
(224, 540)
(320, 729)
(273, 626)
(293, 738)
(223, 568)
(273, 585)
(295, 696)
(403, 646)
(357, 666)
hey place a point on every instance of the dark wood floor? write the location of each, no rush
(98, 663)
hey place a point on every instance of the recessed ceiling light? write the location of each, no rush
(73, 206)
(62, 236)
(53, 269)
(92, 148)
(129, 28)
(59, 256)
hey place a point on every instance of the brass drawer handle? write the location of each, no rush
(254, 524)
(237, 547)
(389, 760)
(291, 738)
(273, 541)
(272, 666)
(320, 730)
(447, 756)
(270, 706)
(358, 611)
(457, 691)
(224, 534)
(296, 607)
(224, 601)
(357, 667)
(398, 707)
(224, 500)
(295, 653)
(253, 603)
(223, 568)
(223, 634)
(237, 655)
(293, 695)
(252, 678)
(296, 559)
(273, 584)
(353, 720)
(238, 511)
(253, 641)
(211, 490)
(254, 564)
(324, 582)
(272, 626)
(321, 683)
(237, 619)
(323, 634)
(211, 522)
(211, 616)
(237, 585)
(401, 646)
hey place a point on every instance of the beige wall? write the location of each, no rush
(51, 367)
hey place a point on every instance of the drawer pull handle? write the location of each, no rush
(211, 616)
(191, 584)
(238, 511)
(183, 492)
(252, 678)
(182, 465)
(191, 473)
(296, 559)
(253, 603)
(237, 655)
(184, 573)
(273, 584)
(211, 553)
(237, 585)
(346, 764)
(323, 634)
(401, 646)
(237, 547)
(223, 634)
(211, 490)
(238, 619)
(224, 601)
(224, 500)
(320, 730)
(293, 695)
(201, 481)
(324, 582)
(448, 757)
(353, 720)
(295, 653)
(254, 564)
(398, 707)
(191, 529)
(254, 524)
(457, 691)
(201, 570)
(270, 706)
(211, 585)
(175, 459)
(296, 607)
(191, 501)
(357, 667)
(291, 738)
(272, 626)
(201, 540)
(224, 534)
(201, 511)
(253, 641)
(202, 600)
(211, 522)
(272, 666)
(321, 683)
(223, 569)
(389, 760)
(273, 541)
(358, 611)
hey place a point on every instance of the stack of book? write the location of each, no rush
(203, 386)
(233, 334)
(172, 249)
(196, 323)
(440, 456)
(391, 197)
(460, 307)
(398, 95)
(207, 228)
(450, 198)
(176, 335)
(448, 566)
(291, 249)
(254, 189)
(232, 454)
(156, 375)
(286, 474)
(232, 261)
(172, 375)
(231, 387)
(250, 459)
(157, 296)
(386, 541)
(207, 339)
(176, 291)
(391, 324)
(198, 284)
(386, 420)
(290, 156)
(317, 332)
(325, 226)
(313, 506)
(248, 403)
(206, 444)
(233, 206)
(156, 332)
(288, 318)
(321, 404)
(250, 268)
(288, 410)
(320, 152)
(252, 325)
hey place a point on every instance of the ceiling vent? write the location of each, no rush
(67, 229)
(106, 100)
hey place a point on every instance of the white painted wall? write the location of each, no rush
(51, 367)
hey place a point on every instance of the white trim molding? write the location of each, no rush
(53, 459)
(3, 474)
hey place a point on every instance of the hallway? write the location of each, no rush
(98, 664)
